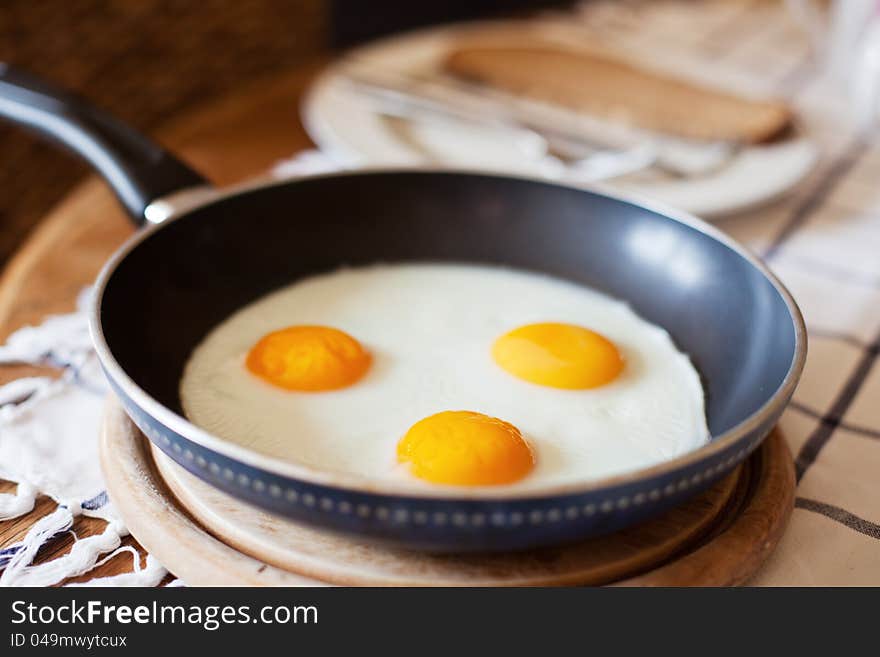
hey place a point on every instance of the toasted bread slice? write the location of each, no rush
(612, 89)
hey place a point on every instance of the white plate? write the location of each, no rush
(344, 124)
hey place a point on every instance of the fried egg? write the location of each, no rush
(447, 375)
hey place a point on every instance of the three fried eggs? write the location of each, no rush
(447, 375)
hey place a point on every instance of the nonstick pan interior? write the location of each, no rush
(186, 277)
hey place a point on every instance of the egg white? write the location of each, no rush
(430, 330)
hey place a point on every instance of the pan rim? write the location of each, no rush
(364, 485)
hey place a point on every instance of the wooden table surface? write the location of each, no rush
(228, 141)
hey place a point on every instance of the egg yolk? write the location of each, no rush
(464, 448)
(308, 358)
(558, 356)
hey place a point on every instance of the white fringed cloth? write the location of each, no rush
(48, 445)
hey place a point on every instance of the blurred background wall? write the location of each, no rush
(149, 60)
(144, 60)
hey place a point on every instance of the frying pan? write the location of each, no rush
(205, 253)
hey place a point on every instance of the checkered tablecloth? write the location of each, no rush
(823, 242)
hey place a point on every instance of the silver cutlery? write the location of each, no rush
(589, 152)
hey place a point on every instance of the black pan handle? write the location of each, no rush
(137, 169)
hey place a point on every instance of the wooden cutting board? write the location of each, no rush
(718, 538)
